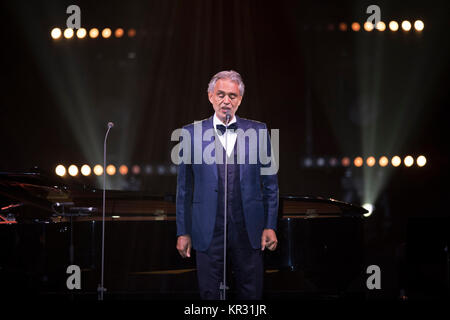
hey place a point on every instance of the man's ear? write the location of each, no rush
(239, 101)
(210, 97)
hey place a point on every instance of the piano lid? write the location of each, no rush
(293, 205)
(41, 190)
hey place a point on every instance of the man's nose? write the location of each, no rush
(226, 100)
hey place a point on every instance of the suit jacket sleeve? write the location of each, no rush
(270, 190)
(184, 198)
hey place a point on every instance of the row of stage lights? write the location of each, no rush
(111, 170)
(106, 33)
(381, 26)
(371, 161)
(123, 170)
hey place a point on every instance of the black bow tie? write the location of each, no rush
(222, 128)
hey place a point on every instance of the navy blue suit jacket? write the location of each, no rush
(197, 192)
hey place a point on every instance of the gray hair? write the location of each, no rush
(230, 75)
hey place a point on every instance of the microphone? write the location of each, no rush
(228, 117)
(110, 124)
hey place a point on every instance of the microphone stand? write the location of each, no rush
(223, 285)
(100, 288)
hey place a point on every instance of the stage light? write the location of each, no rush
(358, 162)
(115, 217)
(381, 26)
(396, 161)
(73, 170)
(118, 33)
(393, 25)
(369, 207)
(333, 162)
(343, 26)
(370, 161)
(81, 33)
(56, 33)
(93, 33)
(148, 169)
(307, 162)
(106, 33)
(408, 161)
(98, 170)
(383, 162)
(345, 161)
(161, 170)
(136, 169)
(421, 161)
(111, 170)
(123, 169)
(173, 169)
(131, 33)
(85, 170)
(368, 26)
(60, 170)
(406, 25)
(356, 26)
(320, 162)
(68, 33)
(419, 25)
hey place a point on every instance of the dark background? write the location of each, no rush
(330, 93)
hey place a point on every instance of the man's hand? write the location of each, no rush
(269, 240)
(184, 246)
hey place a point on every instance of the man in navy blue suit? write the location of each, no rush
(252, 194)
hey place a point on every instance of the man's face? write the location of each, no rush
(225, 97)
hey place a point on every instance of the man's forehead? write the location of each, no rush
(227, 85)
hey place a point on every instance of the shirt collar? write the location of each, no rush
(217, 121)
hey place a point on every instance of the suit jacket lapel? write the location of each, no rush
(207, 125)
(241, 125)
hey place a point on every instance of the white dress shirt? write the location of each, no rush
(231, 136)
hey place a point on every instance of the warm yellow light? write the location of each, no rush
(343, 26)
(93, 33)
(383, 162)
(111, 170)
(106, 33)
(68, 33)
(396, 161)
(408, 161)
(381, 26)
(131, 33)
(56, 33)
(368, 26)
(370, 161)
(98, 170)
(419, 25)
(358, 162)
(81, 33)
(73, 170)
(345, 161)
(393, 25)
(119, 33)
(406, 25)
(356, 26)
(85, 170)
(421, 161)
(60, 170)
(123, 169)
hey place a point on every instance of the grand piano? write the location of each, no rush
(47, 224)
